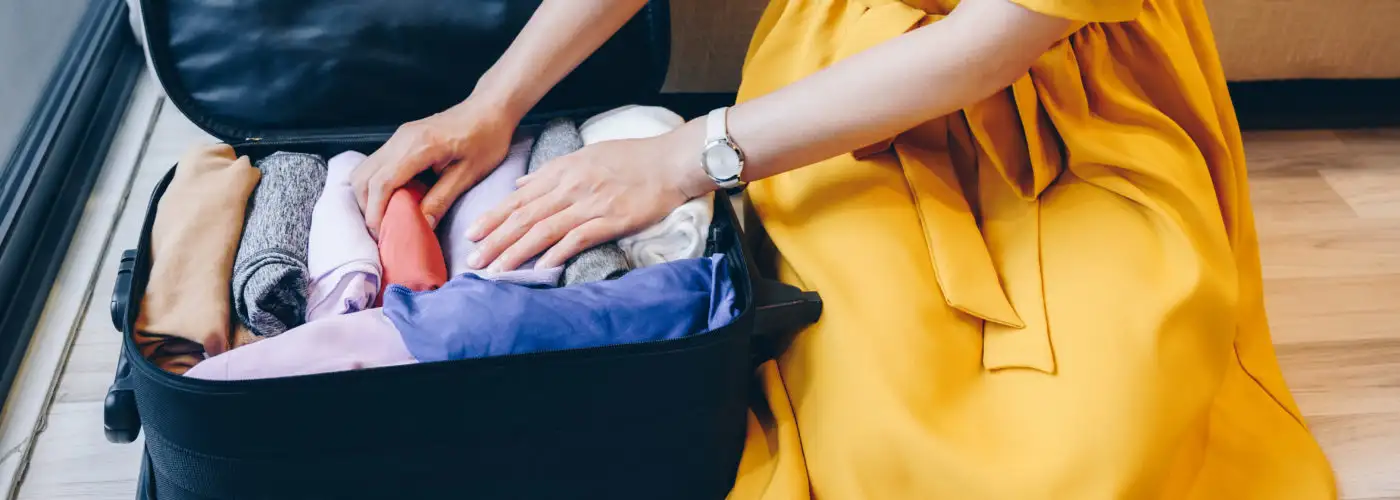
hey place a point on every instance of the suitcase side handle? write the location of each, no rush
(121, 422)
(121, 291)
(780, 311)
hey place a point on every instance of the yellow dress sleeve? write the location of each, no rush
(1089, 11)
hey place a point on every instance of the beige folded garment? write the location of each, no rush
(185, 311)
(241, 336)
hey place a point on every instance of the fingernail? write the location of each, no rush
(472, 230)
(432, 221)
(474, 259)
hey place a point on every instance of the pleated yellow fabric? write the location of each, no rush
(1054, 293)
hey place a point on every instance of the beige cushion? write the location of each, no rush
(1258, 40)
(708, 41)
(1288, 39)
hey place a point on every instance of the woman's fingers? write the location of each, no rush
(411, 150)
(381, 186)
(454, 181)
(376, 201)
(359, 179)
(516, 225)
(488, 223)
(547, 170)
(371, 181)
(585, 236)
(541, 236)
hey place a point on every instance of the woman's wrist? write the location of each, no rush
(501, 96)
(682, 148)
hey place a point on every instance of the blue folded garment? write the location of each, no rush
(471, 317)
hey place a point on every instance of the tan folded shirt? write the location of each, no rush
(185, 311)
(242, 336)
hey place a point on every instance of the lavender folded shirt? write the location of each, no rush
(364, 339)
(342, 257)
(486, 195)
(470, 317)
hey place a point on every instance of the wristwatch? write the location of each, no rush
(722, 159)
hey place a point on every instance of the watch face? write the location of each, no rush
(722, 161)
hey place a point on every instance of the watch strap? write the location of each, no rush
(716, 125)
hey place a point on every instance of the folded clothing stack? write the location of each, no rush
(306, 276)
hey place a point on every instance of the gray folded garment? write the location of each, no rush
(270, 277)
(603, 262)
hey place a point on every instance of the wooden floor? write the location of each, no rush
(1328, 210)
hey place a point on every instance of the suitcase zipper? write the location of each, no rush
(321, 139)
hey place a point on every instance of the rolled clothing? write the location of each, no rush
(242, 336)
(605, 261)
(558, 137)
(602, 262)
(342, 256)
(270, 276)
(629, 122)
(685, 232)
(472, 317)
(199, 219)
(486, 195)
(408, 249)
(359, 340)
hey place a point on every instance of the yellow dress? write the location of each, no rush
(1054, 293)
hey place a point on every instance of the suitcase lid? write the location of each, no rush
(279, 70)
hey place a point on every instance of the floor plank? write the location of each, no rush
(1294, 152)
(1372, 143)
(76, 462)
(1372, 193)
(1329, 249)
(1319, 309)
(1295, 199)
(1362, 448)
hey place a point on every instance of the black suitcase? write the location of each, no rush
(661, 420)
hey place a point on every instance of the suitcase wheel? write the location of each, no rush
(121, 422)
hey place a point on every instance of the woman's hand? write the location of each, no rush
(461, 145)
(595, 195)
(465, 142)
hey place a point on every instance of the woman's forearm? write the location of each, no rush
(560, 35)
(980, 48)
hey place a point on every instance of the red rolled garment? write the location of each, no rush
(408, 249)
